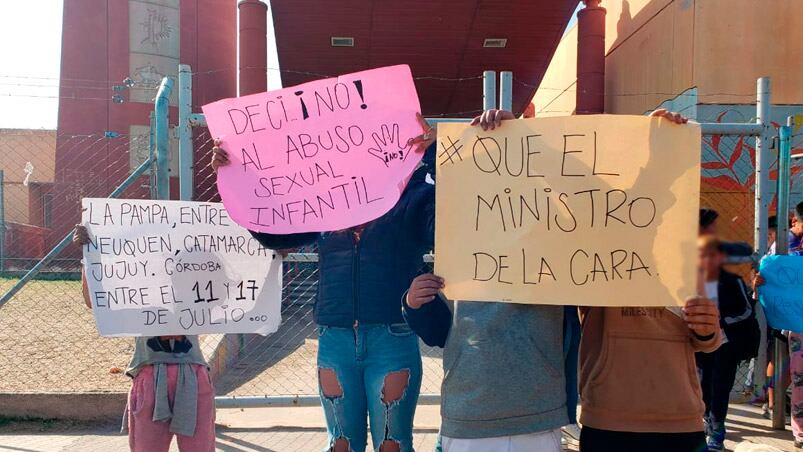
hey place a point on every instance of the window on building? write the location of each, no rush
(47, 210)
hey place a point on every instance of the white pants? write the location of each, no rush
(548, 441)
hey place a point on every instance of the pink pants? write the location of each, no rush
(796, 371)
(145, 435)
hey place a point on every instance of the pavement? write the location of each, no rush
(297, 429)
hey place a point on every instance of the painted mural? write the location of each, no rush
(728, 168)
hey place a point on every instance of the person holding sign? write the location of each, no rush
(171, 392)
(369, 363)
(741, 338)
(504, 363)
(624, 379)
(782, 307)
(639, 388)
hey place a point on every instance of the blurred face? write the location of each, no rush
(797, 226)
(771, 235)
(710, 260)
(711, 229)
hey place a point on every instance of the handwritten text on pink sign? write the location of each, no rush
(321, 156)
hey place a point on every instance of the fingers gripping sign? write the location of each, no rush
(422, 142)
(491, 119)
(219, 156)
(423, 290)
(701, 315)
(674, 117)
(80, 235)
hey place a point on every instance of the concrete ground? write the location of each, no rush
(297, 429)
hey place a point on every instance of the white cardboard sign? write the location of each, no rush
(157, 268)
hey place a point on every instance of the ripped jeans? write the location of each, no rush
(369, 371)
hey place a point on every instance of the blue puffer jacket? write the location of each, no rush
(363, 274)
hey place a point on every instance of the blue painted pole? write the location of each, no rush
(162, 108)
(2, 222)
(488, 90)
(152, 153)
(782, 247)
(185, 151)
(506, 90)
(784, 173)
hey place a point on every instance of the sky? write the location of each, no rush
(30, 56)
(29, 73)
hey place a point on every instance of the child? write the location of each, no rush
(369, 362)
(171, 392)
(638, 379)
(483, 407)
(795, 338)
(638, 382)
(741, 338)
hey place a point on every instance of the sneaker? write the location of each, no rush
(714, 446)
(709, 431)
(766, 412)
(571, 432)
(716, 438)
(798, 443)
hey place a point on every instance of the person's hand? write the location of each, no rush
(423, 290)
(758, 280)
(219, 156)
(701, 315)
(80, 236)
(491, 119)
(677, 118)
(422, 142)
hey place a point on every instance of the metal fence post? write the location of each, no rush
(2, 222)
(782, 247)
(488, 90)
(162, 108)
(152, 153)
(763, 158)
(185, 153)
(506, 91)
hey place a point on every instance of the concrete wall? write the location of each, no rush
(737, 41)
(658, 49)
(556, 93)
(649, 53)
(702, 58)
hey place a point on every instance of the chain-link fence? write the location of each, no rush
(45, 176)
(283, 363)
(728, 186)
(49, 339)
(49, 336)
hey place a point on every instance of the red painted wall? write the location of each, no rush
(95, 56)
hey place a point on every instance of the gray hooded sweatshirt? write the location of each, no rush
(503, 366)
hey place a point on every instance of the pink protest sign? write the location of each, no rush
(321, 156)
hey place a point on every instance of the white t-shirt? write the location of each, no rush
(712, 291)
(548, 441)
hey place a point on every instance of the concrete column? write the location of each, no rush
(591, 59)
(253, 46)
